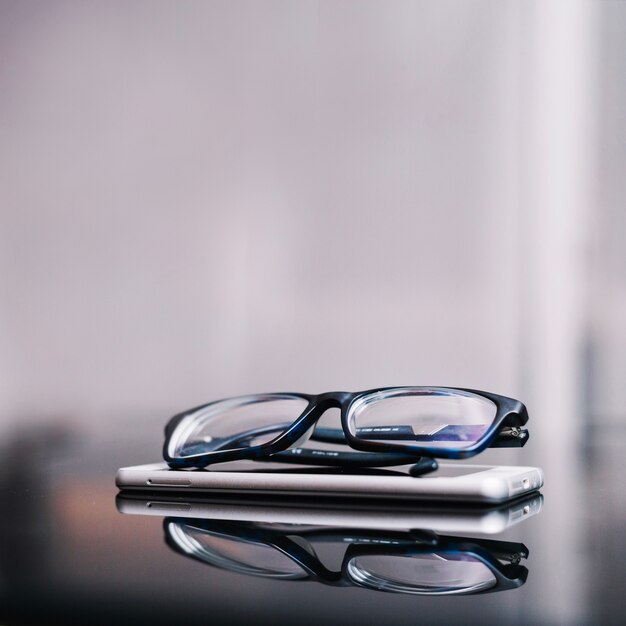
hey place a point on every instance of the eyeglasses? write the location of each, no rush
(388, 426)
(410, 562)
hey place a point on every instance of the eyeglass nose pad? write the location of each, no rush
(305, 437)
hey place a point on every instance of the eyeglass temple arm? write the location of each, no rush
(508, 437)
(331, 458)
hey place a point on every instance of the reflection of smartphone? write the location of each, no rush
(450, 483)
(459, 518)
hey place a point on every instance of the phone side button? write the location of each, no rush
(169, 482)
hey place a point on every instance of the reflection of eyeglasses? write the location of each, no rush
(403, 423)
(412, 562)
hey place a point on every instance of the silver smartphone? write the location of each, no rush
(450, 483)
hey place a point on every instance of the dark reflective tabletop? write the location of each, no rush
(74, 551)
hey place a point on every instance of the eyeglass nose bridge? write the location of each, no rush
(332, 399)
(319, 404)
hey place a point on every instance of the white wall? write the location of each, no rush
(211, 198)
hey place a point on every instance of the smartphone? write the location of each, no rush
(450, 482)
(332, 512)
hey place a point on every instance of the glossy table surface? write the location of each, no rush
(69, 555)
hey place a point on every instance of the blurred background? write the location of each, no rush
(204, 199)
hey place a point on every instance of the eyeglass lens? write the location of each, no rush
(432, 417)
(236, 423)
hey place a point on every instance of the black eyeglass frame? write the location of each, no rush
(505, 431)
